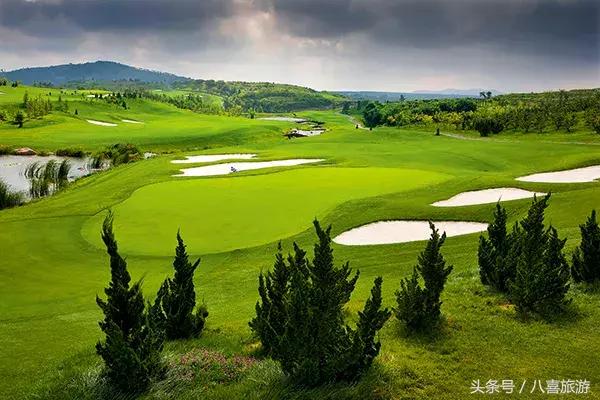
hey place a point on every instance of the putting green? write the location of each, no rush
(222, 214)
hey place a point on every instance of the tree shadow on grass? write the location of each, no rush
(499, 303)
(564, 316)
(374, 385)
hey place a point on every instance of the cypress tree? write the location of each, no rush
(542, 275)
(432, 268)
(273, 287)
(131, 349)
(586, 257)
(370, 321)
(178, 298)
(316, 346)
(410, 299)
(555, 276)
(271, 312)
(316, 324)
(420, 307)
(494, 268)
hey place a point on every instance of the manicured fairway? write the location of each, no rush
(52, 265)
(165, 127)
(223, 214)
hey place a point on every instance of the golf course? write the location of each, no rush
(53, 261)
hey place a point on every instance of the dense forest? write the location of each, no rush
(237, 97)
(264, 96)
(525, 112)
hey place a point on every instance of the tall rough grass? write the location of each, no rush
(46, 179)
(8, 198)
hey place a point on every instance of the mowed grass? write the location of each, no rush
(165, 128)
(51, 269)
(288, 200)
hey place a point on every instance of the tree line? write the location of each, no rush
(540, 112)
(299, 317)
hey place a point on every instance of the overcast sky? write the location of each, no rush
(389, 45)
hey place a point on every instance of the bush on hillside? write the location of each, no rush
(19, 119)
(586, 257)
(371, 115)
(315, 346)
(116, 154)
(488, 120)
(592, 118)
(70, 152)
(419, 307)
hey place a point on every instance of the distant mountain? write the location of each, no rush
(417, 95)
(458, 92)
(395, 96)
(99, 71)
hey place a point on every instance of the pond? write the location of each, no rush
(12, 169)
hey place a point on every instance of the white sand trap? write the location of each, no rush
(130, 121)
(577, 175)
(287, 119)
(228, 168)
(213, 158)
(314, 132)
(91, 121)
(89, 96)
(486, 196)
(387, 232)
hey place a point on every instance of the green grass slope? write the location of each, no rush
(163, 128)
(52, 266)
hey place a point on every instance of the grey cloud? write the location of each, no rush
(345, 44)
(547, 27)
(37, 17)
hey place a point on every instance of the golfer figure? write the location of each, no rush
(233, 169)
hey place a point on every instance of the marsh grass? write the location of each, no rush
(46, 179)
(9, 198)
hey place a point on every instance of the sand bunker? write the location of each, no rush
(577, 175)
(486, 196)
(130, 121)
(89, 96)
(228, 168)
(213, 158)
(387, 232)
(287, 119)
(91, 121)
(305, 133)
(2, 93)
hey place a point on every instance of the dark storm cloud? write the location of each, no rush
(541, 27)
(36, 17)
(333, 44)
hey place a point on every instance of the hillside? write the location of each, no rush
(265, 96)
(236, 96)
(99, 71)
